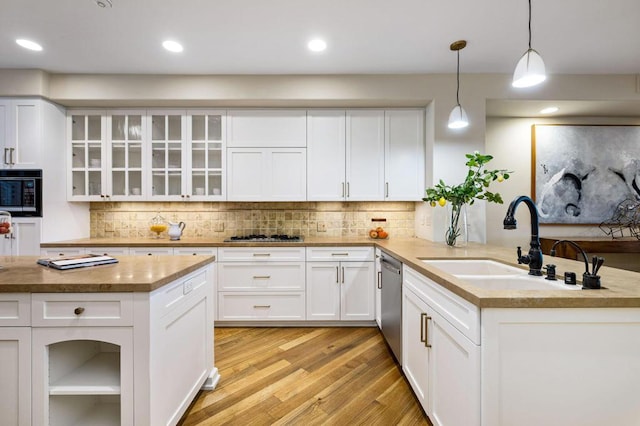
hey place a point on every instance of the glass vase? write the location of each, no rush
(456, 234)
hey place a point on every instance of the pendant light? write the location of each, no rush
(530, 69)
(458, 117)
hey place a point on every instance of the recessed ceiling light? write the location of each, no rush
(549, 110)
(28, 44)
(172, 46)
(317, 45)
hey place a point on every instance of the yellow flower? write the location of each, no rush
(500, 177)
(442, 201)
(433, 203)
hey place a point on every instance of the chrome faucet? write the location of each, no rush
(534, 258)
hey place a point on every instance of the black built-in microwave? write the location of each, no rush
(21, 192)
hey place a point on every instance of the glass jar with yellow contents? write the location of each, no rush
(158, 225)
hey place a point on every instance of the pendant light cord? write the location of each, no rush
(529, 24)
(458, 80)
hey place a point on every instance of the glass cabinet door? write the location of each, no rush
(167, 143)
(206, 136)
(87, 154)
(127, 133)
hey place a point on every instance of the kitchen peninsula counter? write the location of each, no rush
(622, 288)
(21, 274)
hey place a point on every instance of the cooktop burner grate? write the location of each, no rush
(282, 238)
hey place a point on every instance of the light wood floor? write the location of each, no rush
(306, 376)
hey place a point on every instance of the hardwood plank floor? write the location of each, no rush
(310, 376)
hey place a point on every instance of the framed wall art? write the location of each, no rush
(581, 173)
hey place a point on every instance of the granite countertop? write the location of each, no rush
(622, 287)
(21, 274)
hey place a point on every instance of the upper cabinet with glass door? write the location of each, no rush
(206, 156)
(126, 136)
(168, 136)
(87, 153)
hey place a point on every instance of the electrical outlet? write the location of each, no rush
(322, 227)
(218, 227)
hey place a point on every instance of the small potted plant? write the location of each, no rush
(475, 186)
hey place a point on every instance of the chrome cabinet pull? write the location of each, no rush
(11, 155)
(78, 310)
(347, 189)
(386, 190)
(343, 275)
(261, 254)
(379, 279)
(261, 306)
(342, 186)
(261, 277)
(6, 151)
(339, 254)
(423, 338)
(337, 274)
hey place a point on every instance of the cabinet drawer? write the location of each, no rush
(15, 309)
(61, 251)
(150, 251)
(343, 254)
(193, 251)
(107, 251)
(463, 315)
(261, 306)
(242, 276)
(260, 254)
(81, 309)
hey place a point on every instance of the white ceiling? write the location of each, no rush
(364, 36)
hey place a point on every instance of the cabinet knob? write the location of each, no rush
(78, 311)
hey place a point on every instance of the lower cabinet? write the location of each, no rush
(440, 362)
(24, 239)
(340, 291)
(15, 374)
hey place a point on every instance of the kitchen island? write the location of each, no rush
(475, 356)
(105, 344)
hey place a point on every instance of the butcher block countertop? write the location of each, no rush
(21, 274)
(622, 288)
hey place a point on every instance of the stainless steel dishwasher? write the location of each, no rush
(391, 298)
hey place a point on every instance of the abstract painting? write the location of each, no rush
(581, 173)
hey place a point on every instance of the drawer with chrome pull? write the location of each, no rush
(261, 306)
(243, 276)
(81, 309)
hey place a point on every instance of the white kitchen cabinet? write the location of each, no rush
(340, 290)
(261, 283)
(151, 251)
(167, 149)
(404, 155)
(15, 352)
(266, 128)
(24, 239)
(87, 153)
(378, 307)
(266, 174)
(193, 251)
(365, 155)
(440, 361)
(206, 154)
(21, 133)
(125, 163)
(346, 155)
(326, 155)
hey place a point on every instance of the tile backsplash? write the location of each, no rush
(215, 220)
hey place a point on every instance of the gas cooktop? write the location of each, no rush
(261, 238)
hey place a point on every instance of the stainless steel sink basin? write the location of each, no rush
(491, 275)
(473, 267)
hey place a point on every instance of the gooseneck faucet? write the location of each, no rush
(575, 245)
(534, 258)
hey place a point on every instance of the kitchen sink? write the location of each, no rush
(473, 267)
(516, 282)
(491, 275)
